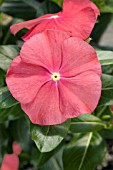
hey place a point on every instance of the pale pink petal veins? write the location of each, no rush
(10, 162)
(45, 50)
(28, 24)
(44, 110)
(25, 80)
(80, 94)
(78, 57)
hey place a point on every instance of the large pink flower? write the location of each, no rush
(76, 19)
(56, 77)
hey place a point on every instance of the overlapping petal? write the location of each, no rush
(24, 80)
(28, 24)
(45, 50)
(44, 110)
(80, 56)
(76, 19)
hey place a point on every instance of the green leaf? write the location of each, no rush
(58, 2)
(4, 137)
(19, 130)
(18, 9)
(84, 152)
(86, 123)
(10, 51)
(104, 112)
(107, 133)
(39, 158)
(48, 7)
(33, 3)
(7, 54)
(105, 57)
(107, 91)
(12, 113)
(4, 62)
(47, 138)
(55, 163)
(6, 99)
(2, 78)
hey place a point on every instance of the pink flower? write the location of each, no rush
(11, 161)
(16, 148)
(77, 19)
(56, 77)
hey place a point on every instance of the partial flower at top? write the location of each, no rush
(56, 77)
(77, 19)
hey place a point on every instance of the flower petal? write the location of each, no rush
(44, 110)
(72, 6)
(78, 57)
(10, 162)
(16, 148)
(80, 94)
(25, 80)
(44, 49)
(80, 24)
(50, 23)
(28, 24)
(96, 10)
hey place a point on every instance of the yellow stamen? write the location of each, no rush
(55, 76)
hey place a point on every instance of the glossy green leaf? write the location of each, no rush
(48, 7)
(107, 90)
(3, 141)
(18, 9)
(33, 3)
(12, 113)
(2, 78)
(86, 123)
(55, 163)
(7, 54)
(84, 153)
(4, 62)
(104, 112)
(6, 99)
(19, 130)
(48, 138)
(10, 51)
(39, 158)
(105, 57)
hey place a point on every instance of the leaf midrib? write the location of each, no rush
(85, 151)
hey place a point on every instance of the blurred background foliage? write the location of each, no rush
(81, 142)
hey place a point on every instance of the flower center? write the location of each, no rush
(55, 76)
(54, 16)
